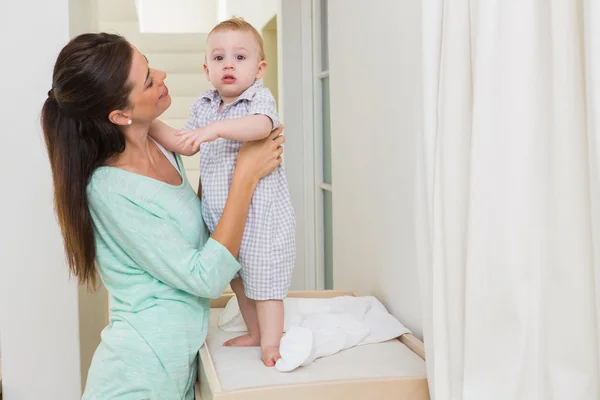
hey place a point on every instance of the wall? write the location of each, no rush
(93, 318)
(256, 12)
(93, 312)
(375, 77)
(271, 78)
(82, 16)
(38, 303)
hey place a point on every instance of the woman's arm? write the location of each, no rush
(154, 244)
(255, 160)
(150, 241)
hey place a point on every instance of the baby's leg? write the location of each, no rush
(270, 321)
(248, 310)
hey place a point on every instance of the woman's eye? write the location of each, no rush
(151, 83)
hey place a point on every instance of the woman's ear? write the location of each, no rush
(119, 117)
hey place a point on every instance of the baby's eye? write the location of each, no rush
(219, 58)
(240, 58)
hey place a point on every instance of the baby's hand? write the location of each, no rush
(190, 141)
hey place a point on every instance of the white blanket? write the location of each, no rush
(322, 327)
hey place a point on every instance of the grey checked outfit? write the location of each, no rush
(268, 249)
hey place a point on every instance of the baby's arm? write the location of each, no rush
(165, 135)
(245, 129)
(260, 122)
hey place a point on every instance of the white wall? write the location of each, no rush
(38, 304)
(375, 76)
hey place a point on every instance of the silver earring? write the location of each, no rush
(129, 122)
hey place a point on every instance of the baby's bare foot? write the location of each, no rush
(270, 355)
(243, 341)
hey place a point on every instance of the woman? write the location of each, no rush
(124, 204)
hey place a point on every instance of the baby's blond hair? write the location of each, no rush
(238, 24)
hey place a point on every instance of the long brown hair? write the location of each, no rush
(90, 80)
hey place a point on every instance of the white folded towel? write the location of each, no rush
(321, 327)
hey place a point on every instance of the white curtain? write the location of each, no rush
(508, 219)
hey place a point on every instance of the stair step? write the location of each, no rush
(192, 163)
(181, 84)
(177, 62)
(176, 123)
(193, 177)
(181, 56)
(155, 42)
(116, 10)
(180, 107)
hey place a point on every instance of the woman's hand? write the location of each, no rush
(258, 158)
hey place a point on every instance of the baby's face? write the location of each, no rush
(233, 62)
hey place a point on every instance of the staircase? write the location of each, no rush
(179, 55)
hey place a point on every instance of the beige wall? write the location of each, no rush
(375, 111)
(93, 304)
(256, 12)
(271, 79)
(93, 317)
(82, 16)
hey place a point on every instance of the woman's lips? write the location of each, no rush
(165, 92)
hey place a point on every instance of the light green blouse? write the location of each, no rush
(160, 267)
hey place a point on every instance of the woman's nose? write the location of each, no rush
(161, 75)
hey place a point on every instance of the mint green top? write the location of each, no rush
(160, 267)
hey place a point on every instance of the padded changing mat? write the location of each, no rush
(383, 371)
(239, 367)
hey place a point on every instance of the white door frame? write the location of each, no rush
(297, 85)
(318, 186)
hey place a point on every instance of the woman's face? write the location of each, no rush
(149, 97)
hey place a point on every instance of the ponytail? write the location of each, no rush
(90, 81)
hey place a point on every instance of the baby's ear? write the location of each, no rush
(206, 71)
(262, 69)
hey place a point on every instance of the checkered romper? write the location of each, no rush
(268, 249)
